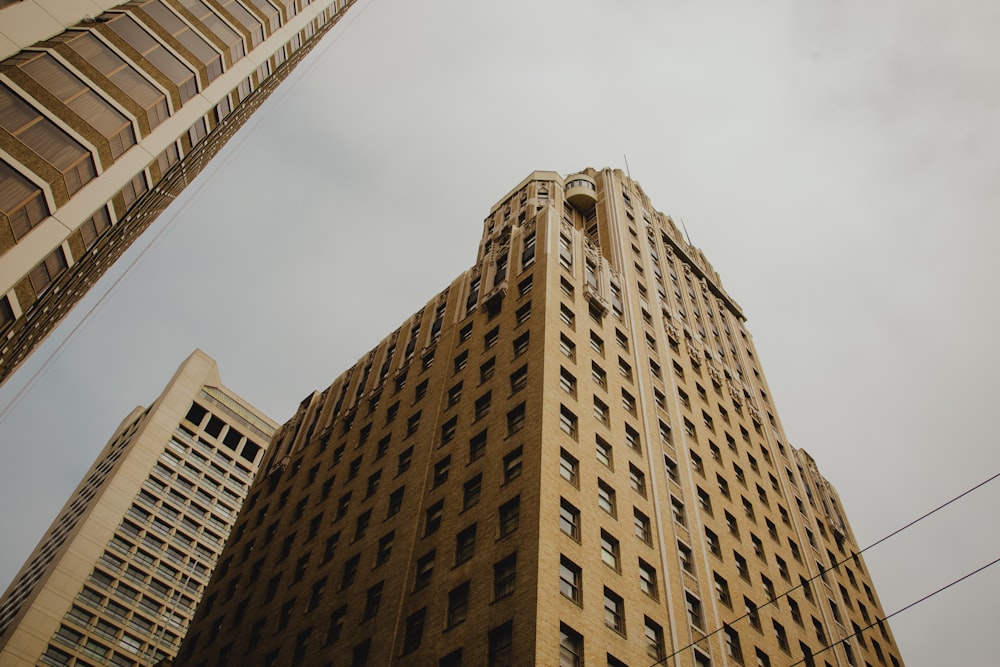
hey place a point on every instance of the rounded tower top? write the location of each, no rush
(581, 192)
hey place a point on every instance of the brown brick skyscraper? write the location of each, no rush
(569, 456)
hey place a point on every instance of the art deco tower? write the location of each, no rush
(569, 456)
(107, 111)
(117, 576)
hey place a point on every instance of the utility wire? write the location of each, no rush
(823, 571)
(210, 173)
(899, 611)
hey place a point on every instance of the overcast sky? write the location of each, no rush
(838, 162)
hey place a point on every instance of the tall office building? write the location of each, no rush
(569, 456)
(116, 578)
(107, 111)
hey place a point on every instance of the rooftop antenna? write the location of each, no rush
(684, 227)
(627, 171)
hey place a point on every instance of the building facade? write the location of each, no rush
(117, 577)
(107, 111)
(569, 456)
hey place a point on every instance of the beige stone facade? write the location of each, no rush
(116, 578)
(567, 457)
(107, 112)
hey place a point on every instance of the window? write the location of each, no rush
(472, 491)
(752, 614)
(601, 411)
(569, 467)
(361, 525)
(373, 599)
(501, 641)
(712, 540)
(524, 287)
(758, 547)
(609, 550)
(768, 589)
(621, 339)
(781, 635)
(796, 611)
(567, 316)
(424, 570)
(604, 453)
(684, 555)
(512, 465)
(567, 347)
(486, 369)
(732, 526)
(567, 421)
(384, 548)
(46, 271)
(642, 527)
(732, 640)
(477, 446)
(647, 579)
(677, 510)
(628, 402)
(704, 500)
(637, 480)
(395, 502)
(723, 485)
(523, 313)
(465, 544)
(807, 591)
(519, 379)
(741, 566)
(671, 467)
(567, 381)
(515, 420)
(624, 369)
(783, 569)
(482, 407)
(414, 630)
(521, 344)
(606, 498)
(565, 252)
(632, 439)
(433, 517)
(448, 430)
(614, 611)
(722, 590)
(509, 516)
(654, 639)
(570, 647)
(465, 333)
(569, 519)
(566, 286)
(454, 394)
(441, 469)
(491, 338)
(458, 604)
(570, 580)
(693, 606)
(461, 361)
(405, 458)
(420, 391)
(599, 376)
(596, 343)
(504, 575)
(350, 572)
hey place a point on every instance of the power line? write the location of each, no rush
(899, 611)
(823, 571)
